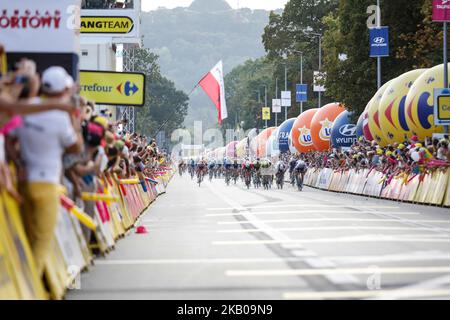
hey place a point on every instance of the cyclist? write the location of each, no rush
(227, 165)
(292, 164)
(266, 172)
(181, 167)
(257, 173)
(280, 168)
(300, 170)
(202, 168)
(192, 168)
(247, 167)
(211, 169)
(235, 171)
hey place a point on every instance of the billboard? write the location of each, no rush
(113, 88)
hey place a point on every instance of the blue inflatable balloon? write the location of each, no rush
(343, 132)
(360, 127)
(283, 135)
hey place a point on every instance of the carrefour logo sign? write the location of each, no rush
(113, 88)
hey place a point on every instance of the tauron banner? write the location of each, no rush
(113, 88)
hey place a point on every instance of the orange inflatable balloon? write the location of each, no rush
(261, 141)
(301, 132)
(322, 123)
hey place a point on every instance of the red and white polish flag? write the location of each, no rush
(214, 86)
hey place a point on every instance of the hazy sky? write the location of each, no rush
(148, 5)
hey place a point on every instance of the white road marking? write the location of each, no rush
(335, 220)
(306, 211)
(279, 236)
(303, 205)
(392, 294)
(323, 272)
(196, 261)
(356, 239)
(405, 257)
(335, 229)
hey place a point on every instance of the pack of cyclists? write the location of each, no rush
(259, 172)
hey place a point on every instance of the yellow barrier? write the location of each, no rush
(118, 205)
(431, 188)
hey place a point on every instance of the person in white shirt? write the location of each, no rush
(44, 138)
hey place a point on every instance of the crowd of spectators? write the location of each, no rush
(410, 156)
(55, 137)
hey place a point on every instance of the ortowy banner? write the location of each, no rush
(214, 86)
(50, 26)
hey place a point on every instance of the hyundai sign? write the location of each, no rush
(343, 132)
(301, 93)
(379, 42)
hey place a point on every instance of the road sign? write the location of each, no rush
(379, 42)
(319, 78)
(104, 24)
(266, 113)
(276, 105)
(441, 10)
(113, 88)
(301, 93)
(286, 100)
(442, 107)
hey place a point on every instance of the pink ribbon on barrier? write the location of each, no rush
(14, 123)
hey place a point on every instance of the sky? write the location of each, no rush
(148, 5)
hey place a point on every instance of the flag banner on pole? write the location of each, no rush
(214, 86)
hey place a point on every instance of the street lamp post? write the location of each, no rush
(285, 89)
(265, 102)
(378, 58)
(319, 35)
(276, 97)
(301, 75)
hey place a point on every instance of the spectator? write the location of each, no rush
(43, 139)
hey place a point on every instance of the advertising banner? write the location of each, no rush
(301, 93)
(40, 26)
(286, 100)
(379, 42)
(441, 10)
(113, 88)
(266, 113)
(276, 105)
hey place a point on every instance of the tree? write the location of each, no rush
(353, 81)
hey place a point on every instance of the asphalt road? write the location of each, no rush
(219, 242)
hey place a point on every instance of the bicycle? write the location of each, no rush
(280, 180)
(248, 179)
(299, 180)
(200, 176)
(227, 177)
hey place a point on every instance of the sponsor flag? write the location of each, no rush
(214, 86)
